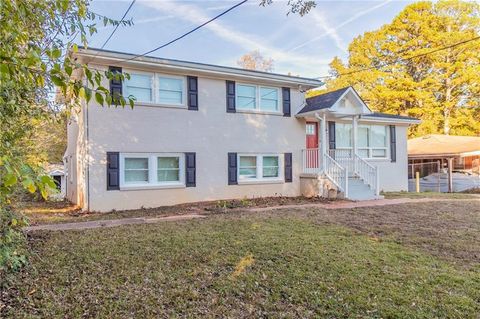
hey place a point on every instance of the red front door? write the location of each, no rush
(312, 134)
(311, 130)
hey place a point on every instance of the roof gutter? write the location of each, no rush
(366, 118)
(227, 72)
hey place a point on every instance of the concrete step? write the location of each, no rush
(358, 190)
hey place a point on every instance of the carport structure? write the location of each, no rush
(454, 152)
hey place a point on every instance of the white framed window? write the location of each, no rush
(310, 129)
(168, 169)
(379, 138)
(270, 167)
(260, 167)
(343, 135)
(136, 170)
(269, 99)
(246, 97)
(156, 88)
(170, 90)
(152, 170)
(140, 86)
(257, 98)
(372, 140)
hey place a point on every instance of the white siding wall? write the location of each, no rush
(394, 175)
(75, 179)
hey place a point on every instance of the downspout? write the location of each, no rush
(87, 144)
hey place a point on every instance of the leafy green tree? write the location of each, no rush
(300, 7)
(36, 38)
(403, 72)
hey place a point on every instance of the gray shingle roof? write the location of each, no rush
(322, 101)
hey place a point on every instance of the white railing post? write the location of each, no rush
(346, 183)
(377, 182)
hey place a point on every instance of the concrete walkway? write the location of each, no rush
(147, 220)
(349, 204)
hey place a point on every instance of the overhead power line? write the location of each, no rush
(403, 59)
(116, 27)
(187, 33)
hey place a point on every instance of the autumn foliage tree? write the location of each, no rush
(425, 63)
(36, 38)
(256, 61)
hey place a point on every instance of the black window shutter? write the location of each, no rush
(113, 171)
(393, 143)
(190, 168)
(232, 169)
(115, 84)
(288, 167)
(286, 101)
(192, 83)
(231, 97)
(331, 135)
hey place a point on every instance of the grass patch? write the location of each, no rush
(270, 265)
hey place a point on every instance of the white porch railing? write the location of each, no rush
(311, 158)
(367, 172)
(344, 157)
(337, 174)
(337, 165)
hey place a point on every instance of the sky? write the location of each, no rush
(301, 46)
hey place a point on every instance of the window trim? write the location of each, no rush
(258, 101)
(152, 171)
(369, 149)
(259, 169)
(152, 79)
(155, 87)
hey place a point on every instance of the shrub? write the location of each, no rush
(12, 241)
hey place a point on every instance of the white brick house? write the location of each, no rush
(204, 132)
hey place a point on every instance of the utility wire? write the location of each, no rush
(185, 34)
(121, 20)
(403, 59)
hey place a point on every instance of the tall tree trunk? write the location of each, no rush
(446, 121)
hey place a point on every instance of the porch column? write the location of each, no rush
(323, 142)
(354, 142)
(354, 138)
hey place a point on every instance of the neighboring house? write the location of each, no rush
(462, 151)
(57, 173)
(203, 132)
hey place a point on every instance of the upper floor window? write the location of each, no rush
(257, 98)
(156, 88)
(170, 90)
(140, 86)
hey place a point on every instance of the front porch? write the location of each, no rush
(338, 147)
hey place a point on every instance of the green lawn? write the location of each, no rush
(402, 261)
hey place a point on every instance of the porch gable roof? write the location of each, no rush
(323, 101)
(331, 101)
